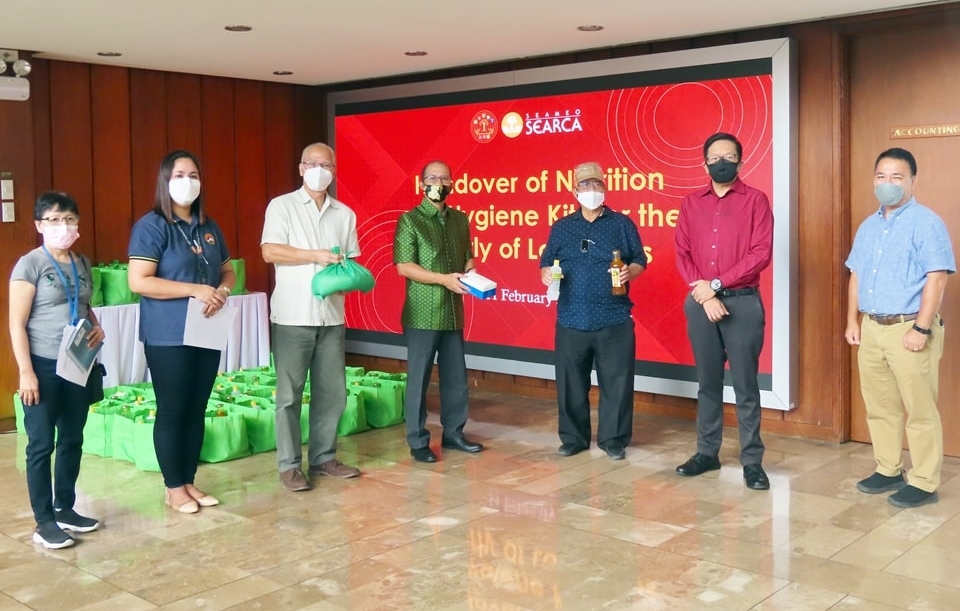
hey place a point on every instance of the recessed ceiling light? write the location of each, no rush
(282, 72)
(237, 28)
(109, 54)
(589, 28)
(415, 53)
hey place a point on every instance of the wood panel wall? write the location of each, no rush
(99, 133)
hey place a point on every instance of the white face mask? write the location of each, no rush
(318, 178)
(591, 200)
(184, 190)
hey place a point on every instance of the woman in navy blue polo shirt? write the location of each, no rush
(177, 252)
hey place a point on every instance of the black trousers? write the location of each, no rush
(737, 339)
(61, 413)
(182, 377)
(613, 351)
(423, 346)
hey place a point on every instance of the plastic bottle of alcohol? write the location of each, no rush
(553, 291)
(617, 287)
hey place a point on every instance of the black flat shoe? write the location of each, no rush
(755, 477)
(569, 449)
(699, 463)
(615, 452)
(460, 443)
(424, 454)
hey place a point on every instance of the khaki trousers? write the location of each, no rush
(897, 384)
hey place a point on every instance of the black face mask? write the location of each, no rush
(436, 193)
(723, 171)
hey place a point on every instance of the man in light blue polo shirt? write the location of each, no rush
(899, 263)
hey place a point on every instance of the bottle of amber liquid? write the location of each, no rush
(618, 288)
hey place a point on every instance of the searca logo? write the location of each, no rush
(541, 123)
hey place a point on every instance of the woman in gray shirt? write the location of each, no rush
(50, 290)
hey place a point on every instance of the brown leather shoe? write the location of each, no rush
(294, 480)
(334, 468)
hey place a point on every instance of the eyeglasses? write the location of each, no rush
(585, 244)
(432, 179)
(61, 220)
(326, 165)
(591, 185)
(732, 158)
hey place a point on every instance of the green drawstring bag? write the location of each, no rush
(240, 270)
(113, 283)
(98, 431)
(341, 278)
(144, 452)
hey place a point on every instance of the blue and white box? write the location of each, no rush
(479, 286)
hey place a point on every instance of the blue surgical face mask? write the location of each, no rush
(888, 193)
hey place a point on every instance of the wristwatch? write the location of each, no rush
(715, 285)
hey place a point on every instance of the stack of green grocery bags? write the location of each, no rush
(240, 417)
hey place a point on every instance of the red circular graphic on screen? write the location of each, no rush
(484, 126)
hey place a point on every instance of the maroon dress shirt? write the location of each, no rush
(729, 237)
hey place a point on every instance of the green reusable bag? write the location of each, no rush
(340, 278)
(383, 375)
(240, 271)
(18, 412)
(354, 372)
(354, 417)
(98, 431)
(113, 283)
(121, 436)
(96, 295)
(260, 417)
(224, 437)
(383, 401)
(305, 417)
(144, 452)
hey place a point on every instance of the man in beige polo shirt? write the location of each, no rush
(299, 234)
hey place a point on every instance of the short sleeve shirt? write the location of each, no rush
(585, 250)
(171, 247)
(294, 220)
(50, 311)
(891, 257)
(438, 241)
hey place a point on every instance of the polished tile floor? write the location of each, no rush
(516, 528)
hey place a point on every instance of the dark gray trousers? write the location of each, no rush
(423, 346)
(736, 339)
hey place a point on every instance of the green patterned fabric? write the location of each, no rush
(438, 242)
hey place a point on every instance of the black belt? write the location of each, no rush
(750, 290)
(892, 319)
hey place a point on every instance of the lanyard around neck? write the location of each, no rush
(72, 300)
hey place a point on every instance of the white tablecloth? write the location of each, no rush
(122, 354)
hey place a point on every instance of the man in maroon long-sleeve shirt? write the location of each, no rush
(724, 240)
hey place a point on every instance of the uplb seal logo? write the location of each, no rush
(484, 126)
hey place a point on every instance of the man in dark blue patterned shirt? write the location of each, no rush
(594, 326)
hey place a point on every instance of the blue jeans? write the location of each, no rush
(56, 422)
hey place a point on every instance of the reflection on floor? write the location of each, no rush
(514, 528)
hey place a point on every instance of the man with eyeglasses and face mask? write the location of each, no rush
(899, 263)
(724, 239)
(300, 231)
(594, 326)
(432, 250)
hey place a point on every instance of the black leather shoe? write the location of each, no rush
(424, 454)
(569, 449)
(699, 463)
(615, 452)
(755, 477)
(460, 443)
